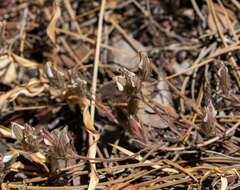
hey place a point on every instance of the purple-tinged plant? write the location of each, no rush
(67, 85)
(225, 81)
(55, 76)
(130, 84)
(144, 67)
(209, 120)
(59, 143)
(26, 136)
(136, 128)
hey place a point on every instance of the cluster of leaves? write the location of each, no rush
(40, 147)
(67, 85)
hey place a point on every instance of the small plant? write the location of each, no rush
(27, 136)
(59, 143)
(40, 147)
(130, 84)
(209, 120)
(67, 85)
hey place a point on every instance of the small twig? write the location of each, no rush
(229, 131)
(94, 137)
(96, 60)
(229, 22)
(71, 13)
(125, 35)
(89, 40)
(236, 3)
(221, 154)
(196, 8)
(176, 165)
(220, 32)
(208, 60)
(138, 5)
(202, 54)
(210, 141)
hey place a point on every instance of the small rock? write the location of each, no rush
(125, 60)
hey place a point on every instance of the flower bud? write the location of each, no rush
(128, 82)
(136, 128)
(225, 82)
(209, 120)
(144, 67)
(17, 131)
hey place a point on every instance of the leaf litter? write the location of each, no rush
(164, 84)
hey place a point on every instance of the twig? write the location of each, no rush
(125, 35)
(94, 137)
(71, 13)
(220, 32)
(202, 54)
(138, 5)
(236, 3)
(208, 60)
(196, 8)
(89, 40)
(96, 60)
(229, 22)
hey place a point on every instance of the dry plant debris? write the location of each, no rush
(119, 94)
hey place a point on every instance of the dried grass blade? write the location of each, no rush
(25, 62)
(93, 138)
(224, 183)
(180, 168)
(31, 89)
(52, 26)
(5, 132)
(129, 153)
